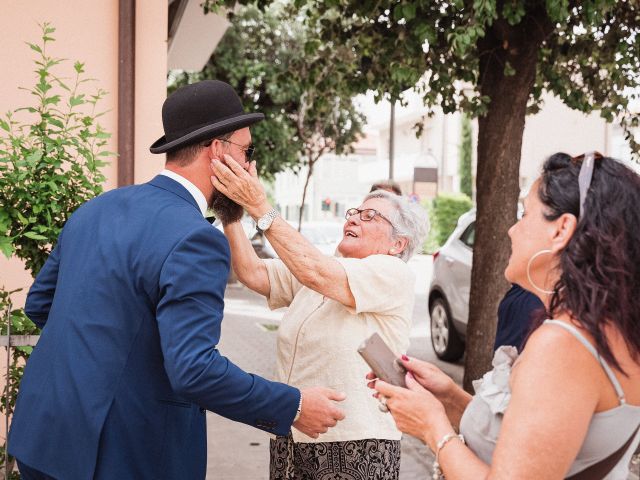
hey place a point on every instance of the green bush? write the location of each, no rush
(444, 212)
(466, 146)
(50, 159)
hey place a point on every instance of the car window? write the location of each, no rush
(469, 235)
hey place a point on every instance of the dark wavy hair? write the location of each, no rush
(600, 266)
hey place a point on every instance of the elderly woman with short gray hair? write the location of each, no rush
(335, 303)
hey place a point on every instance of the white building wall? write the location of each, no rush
(334, 178)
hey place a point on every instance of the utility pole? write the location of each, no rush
(392, 124)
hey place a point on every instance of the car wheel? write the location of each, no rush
(444, 337)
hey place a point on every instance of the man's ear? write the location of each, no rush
(215, 149)
(565, 227)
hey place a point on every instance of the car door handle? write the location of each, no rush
(449, 260)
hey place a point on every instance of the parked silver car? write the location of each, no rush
(449, 290)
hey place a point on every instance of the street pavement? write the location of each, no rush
(239, 452)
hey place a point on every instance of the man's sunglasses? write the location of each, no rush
(248, 151)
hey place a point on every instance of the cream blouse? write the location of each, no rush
(318, 338)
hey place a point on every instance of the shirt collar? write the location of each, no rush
(195, 192)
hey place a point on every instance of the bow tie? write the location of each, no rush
(210, 219)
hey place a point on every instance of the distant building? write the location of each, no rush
(334, 186)
(340, 179)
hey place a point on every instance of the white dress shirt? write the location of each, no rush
(195, 192)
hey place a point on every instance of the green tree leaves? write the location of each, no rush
(590, 60)
(50, 159)
(466, 155)
(281, 67)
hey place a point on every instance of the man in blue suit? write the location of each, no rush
(130, 304)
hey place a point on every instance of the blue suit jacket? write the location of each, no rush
(131, 303)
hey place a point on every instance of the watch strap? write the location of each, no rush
(270, 216)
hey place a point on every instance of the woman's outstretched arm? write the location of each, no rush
(314, 270)
(250, 269)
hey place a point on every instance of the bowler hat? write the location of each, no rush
(201, 111)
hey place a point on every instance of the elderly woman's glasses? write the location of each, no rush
(366, 214)
(586, 174)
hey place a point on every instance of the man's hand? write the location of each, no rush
(319, 412)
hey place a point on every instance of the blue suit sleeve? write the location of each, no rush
(189, 315)
(41, 293)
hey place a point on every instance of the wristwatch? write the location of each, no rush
(299, 411)
(265, 221)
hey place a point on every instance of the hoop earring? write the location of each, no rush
(533, 257)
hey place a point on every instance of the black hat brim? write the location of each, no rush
(208, 131)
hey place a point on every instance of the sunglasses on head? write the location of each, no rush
(586, 174)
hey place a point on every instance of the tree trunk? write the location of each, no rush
(499, 148)
(304, 190)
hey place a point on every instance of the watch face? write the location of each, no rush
(267, 219)
(264, 223)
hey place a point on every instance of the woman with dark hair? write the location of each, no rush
(569, 405)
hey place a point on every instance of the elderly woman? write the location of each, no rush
(334, 303)
(569, 406)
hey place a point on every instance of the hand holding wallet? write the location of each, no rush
(383, 361)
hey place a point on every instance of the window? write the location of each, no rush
(469, 235)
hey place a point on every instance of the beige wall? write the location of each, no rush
(87, 31)
(151, 84)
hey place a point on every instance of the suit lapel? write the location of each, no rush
(169, 184)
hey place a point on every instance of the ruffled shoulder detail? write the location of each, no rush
(493, 388)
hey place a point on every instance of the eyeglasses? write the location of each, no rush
(586, 174)
(248, 151)
(366, 214)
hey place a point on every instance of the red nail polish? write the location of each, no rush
(405, 358)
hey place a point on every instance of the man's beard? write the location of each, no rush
(226, 209)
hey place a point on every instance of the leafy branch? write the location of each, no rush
(50, 162)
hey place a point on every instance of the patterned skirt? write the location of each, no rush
(369, 459)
